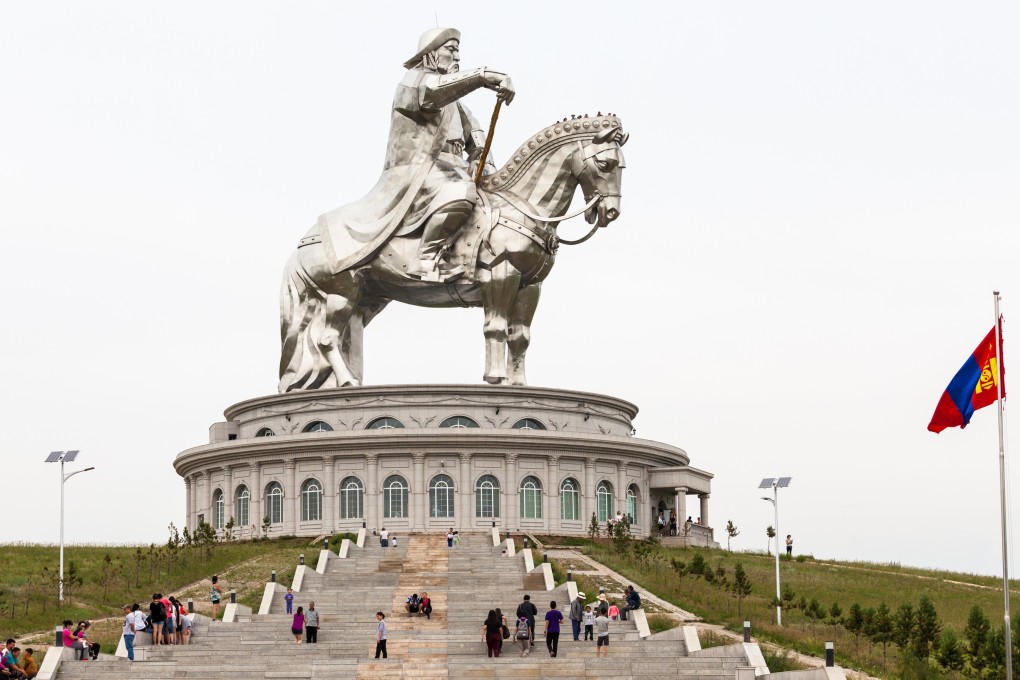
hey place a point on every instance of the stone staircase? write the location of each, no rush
(464, 583)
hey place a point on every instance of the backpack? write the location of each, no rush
(523, 631)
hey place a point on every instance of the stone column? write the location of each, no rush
(511, 490)
(681, 507)
(418, 493)
(704, 508)
(329, 494)
(552, 491)
(255, 497)
(189, 503)
(465, 508)
(290, 499)
(373, 496)
(621, 489)
(588, 502)
(228, 495)
(207, 497)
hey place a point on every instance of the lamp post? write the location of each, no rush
(63, 457)
(776, 485)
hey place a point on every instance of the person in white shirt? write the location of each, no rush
(384, 538)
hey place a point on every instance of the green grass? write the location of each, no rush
(829, 582)
(658, 623)
(28, 595)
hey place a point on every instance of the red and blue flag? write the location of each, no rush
(974, 386)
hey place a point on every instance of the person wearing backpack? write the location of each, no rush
(157, 616)
(523, 636)
(528, 610)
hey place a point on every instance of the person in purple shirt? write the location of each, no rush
(552, 628)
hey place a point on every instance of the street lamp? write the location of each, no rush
(776, 485)
(63, 457)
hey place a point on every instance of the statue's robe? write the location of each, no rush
(419, 174)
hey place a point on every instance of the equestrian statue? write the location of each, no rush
(442, 227)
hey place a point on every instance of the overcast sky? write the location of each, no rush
(819, 200)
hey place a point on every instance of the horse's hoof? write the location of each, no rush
(494, 379)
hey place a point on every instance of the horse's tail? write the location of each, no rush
(302, 321)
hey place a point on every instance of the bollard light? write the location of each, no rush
(570, 575)
(301, 558)
(233, 596)
(325, 544)
(545, 557)
(747, 631)
(363, 525)
(602, 590)
(525, 541)
(830, 655)
(191, 606)
(272, 578)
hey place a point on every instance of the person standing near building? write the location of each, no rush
(214, 596)
(128, 631)
(577, 615)
(384, 538)
(553, 617)
(380, 636)
(311, 624)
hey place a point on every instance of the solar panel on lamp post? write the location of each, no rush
(63, 457)
(775, 485)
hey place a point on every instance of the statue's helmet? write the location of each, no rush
(431, 40)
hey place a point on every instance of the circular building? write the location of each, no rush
(424, 458)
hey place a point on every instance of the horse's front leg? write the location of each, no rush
(338, 313)
(499, 292)
(519, 333)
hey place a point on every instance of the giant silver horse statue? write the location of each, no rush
(429, 235)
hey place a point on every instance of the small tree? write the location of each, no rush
(680, 569)
(835, 614)
(228, 530)
(108, 573)
(926, 629)
(621, 534)
(594, 527)
(854, 622)
(72, 579)
(266, 523)
(949, 652)
(741, 587)
(788, 595)
(976, 634)
(731, 532)
(698, 565)
(903, 626)
(882, 628)
(771, 533)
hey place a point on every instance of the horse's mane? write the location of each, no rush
(545, 140)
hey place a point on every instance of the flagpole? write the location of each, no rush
(1002, 491)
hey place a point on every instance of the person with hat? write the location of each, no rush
(434, 146)
(129, 631)
(603, 605)
(577, 615)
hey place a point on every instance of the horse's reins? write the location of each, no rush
(596, 197)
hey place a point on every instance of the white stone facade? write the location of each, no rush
(447, 456)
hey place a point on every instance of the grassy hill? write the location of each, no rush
(99, 580)
(807, 581)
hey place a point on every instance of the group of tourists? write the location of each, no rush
(17, 664)
(671, 526)
(420, 606)
(306, 622)
(594, 619)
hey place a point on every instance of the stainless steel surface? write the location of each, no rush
(426, 236)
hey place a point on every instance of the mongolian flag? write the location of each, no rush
(973, 386)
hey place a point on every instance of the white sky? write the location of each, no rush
(818, 202)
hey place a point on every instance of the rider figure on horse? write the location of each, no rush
(434, 147)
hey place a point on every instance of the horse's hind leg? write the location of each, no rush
(338, 312)
(498, 291)
(519, 332)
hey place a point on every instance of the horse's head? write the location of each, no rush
(599, 168)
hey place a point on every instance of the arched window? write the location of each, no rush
(265, 432)
(352, 498)
(394, 497)
(531, 498)
(385, 423)
(458, 422)
(527, 424)
(241, 498)
(311, 501)
(274, 503)
(441, 496)
(570, 500)
(604, 500)
(217, 504)
(318, 426)
(487, 496)
(632, 503)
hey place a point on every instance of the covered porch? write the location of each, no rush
(669, 489)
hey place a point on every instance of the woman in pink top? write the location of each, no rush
(72, 642)
(298, 626)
